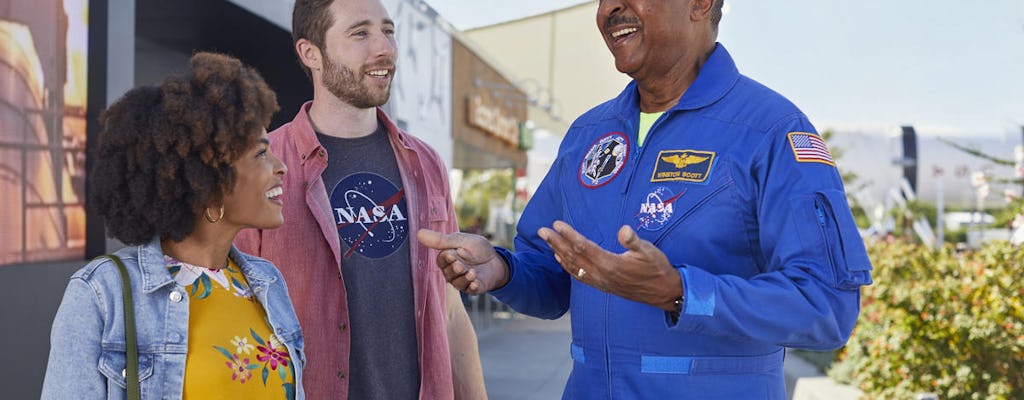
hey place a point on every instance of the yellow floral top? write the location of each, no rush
(232, 350)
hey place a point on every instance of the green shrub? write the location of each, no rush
(939, 321)
(956, 236)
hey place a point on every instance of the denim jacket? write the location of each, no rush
(87, 343)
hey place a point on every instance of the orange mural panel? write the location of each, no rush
(43, 94)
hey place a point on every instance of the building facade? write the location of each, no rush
(62, 62)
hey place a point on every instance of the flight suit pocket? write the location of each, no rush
(826, 223)
(112, 365)
(693, 202)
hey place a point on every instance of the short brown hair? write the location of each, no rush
(310, 21)
(165, 153)
(716, 14)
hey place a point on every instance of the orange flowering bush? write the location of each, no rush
(941, 322)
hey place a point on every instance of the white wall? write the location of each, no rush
(421, 99)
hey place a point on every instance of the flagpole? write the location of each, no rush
(940, 216)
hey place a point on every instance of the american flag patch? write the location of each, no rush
(808, 147)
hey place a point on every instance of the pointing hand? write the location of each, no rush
(468, 261)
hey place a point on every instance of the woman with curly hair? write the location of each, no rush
(181, 169)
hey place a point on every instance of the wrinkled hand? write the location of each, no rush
(468, 261)
(642, 273)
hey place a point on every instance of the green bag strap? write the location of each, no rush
(131, 347)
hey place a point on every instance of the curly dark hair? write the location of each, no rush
(165, 152)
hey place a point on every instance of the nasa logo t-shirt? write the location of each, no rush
(371, 215)
(369, 206)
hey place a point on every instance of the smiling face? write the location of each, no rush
(359, 53)
(651, 38)
(255, 200)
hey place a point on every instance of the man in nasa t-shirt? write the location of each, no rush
(378, 319)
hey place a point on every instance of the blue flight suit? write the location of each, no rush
(735, 186)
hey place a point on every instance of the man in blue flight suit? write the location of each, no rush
(719, 234)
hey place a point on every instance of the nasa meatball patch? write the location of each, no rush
(371, 214)
(657, 208)
(604, 160)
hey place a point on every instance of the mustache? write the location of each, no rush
(620, 20)
(380, 65)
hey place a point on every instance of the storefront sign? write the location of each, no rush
(493, 120)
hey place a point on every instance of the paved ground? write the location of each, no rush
(525, 358)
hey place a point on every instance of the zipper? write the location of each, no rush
(823, 224)
(635, 162)
(633, 165)
(636, 157)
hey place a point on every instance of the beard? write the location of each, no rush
(344, 84)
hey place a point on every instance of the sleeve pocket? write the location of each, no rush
(825, 222)
(851, 264)
(112, 365)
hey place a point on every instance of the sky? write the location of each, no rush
(949, 68)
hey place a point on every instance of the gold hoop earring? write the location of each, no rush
(212, 220)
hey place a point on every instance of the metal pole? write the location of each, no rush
(939, 216)
(981, 227)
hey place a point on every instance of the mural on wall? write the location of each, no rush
(42, 130)
(421, 92)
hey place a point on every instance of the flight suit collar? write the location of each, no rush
(717, 76)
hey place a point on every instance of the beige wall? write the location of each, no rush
(560, 52)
